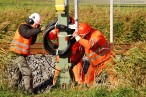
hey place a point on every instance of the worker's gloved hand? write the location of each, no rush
(77, 37)
(43, 28)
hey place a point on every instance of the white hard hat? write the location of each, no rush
(36, 18)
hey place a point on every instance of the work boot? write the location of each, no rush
(29, 91)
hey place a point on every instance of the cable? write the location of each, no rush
(48, 44)
(50, 65)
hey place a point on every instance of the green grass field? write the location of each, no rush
(129, 27)
(102, 92)
(129, 22)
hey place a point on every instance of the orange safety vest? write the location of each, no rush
(53, 36)
(96, 48)
(77, 53)
(98, 52)
(20, 45)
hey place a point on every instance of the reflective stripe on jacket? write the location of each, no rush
(20, 45)
(96, 47)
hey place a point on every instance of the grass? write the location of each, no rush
(95, 92)
(95, 15)
(128, 23)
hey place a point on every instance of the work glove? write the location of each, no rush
(76, 36)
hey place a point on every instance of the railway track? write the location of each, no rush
(116, 47)
(38, 47)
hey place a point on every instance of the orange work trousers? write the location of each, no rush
(79, 73)
(89, 77)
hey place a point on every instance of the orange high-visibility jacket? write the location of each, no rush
(20, 45)
(53, 35)
(77, 53)
(96, 47)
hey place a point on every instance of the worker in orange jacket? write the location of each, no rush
(25, 36)
(96, 49)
